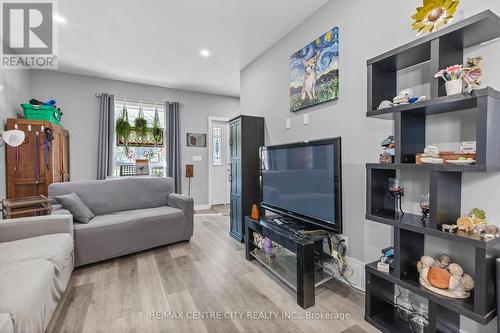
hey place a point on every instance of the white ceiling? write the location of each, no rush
(159, 41)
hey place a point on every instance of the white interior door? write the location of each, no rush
(219, 162)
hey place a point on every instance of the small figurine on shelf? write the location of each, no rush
(389, 147)
(475, 221)
(386, 262)
(472, 74)
(397, 191)
(431, 156)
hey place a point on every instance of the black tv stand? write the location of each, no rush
(299, 260)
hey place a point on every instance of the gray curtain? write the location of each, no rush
(174, 145)
(105, 137)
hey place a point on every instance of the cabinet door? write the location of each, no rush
(236, 177)
(56, 166)
(236, 218)
(26, 174)
(235, 138)
(65, 157)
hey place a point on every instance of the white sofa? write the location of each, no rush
(36, 262)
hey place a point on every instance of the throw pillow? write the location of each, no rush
(72, 202)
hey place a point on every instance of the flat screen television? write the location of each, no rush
(304, 181)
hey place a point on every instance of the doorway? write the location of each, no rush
(218, 161)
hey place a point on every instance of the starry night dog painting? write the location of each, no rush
(314, 72)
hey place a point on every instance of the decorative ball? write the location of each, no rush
(455, 269)
(439, 278)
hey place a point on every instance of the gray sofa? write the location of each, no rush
(36, 262)
(132, 214)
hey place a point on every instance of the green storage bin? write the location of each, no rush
(42, 112)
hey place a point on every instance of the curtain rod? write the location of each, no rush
(137, 100)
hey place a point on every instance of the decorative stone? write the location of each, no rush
(385, 104)
(454, 283)
(438, 277)
(455, 269)
(445, 260)
(427, 261)
(468, 282)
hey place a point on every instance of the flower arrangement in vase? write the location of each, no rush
(458, 77)
(452, 77)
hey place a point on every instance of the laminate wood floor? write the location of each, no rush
(207, 277)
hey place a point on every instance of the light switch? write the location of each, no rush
(306, 118)
(288, 123)
(197, 158)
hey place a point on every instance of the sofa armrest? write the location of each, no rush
(26, 227)
(187, 205)
(6, 325)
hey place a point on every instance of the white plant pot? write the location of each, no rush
(454, 87)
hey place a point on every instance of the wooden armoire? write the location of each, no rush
(38, 162)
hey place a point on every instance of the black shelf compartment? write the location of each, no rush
(410, 127)
(379, 306)
(442, 48)
(381, 312)
(445, 203)
(433, 167)
(438, 105)
(443, 311)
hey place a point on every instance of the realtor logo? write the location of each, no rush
(28, 34)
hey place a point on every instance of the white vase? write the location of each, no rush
(454, 87)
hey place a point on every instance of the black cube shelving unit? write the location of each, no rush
(441, 49)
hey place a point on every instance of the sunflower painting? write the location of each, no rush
(433, 15)
(314, 72)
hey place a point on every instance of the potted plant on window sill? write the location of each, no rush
(123, 128)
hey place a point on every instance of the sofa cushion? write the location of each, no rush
(113, 195)
(56, 248)
(130, 216)
(113, 235)
(29, 292)
(72, 202)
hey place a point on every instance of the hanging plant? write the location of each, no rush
(156, 130)
(141, 125)
(123, 128)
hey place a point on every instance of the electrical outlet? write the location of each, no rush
(346, 242)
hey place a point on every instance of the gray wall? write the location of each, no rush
(17, 90)
(367, 28)
(75, 94)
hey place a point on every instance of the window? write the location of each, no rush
(150, 147)
(217, 142)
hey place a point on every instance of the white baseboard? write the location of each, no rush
(202, 207)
